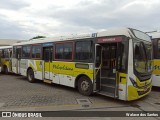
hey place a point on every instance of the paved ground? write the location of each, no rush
(16, 93)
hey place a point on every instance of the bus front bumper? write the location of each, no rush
(136, 93)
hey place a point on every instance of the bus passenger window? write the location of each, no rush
(64, 51)
(83, 50)
(26, 51)
(59, 51)
(36, 51)
(67, 51)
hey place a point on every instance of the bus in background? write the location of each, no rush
(155, 36)
(5, 59)
(114, 63)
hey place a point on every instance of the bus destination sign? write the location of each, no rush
(110, 39)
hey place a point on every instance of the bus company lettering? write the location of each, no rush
(62, 67)
(156, 67)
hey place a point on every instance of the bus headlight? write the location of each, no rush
(133, 82)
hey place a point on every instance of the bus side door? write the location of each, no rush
(47, 57)
(18, 56)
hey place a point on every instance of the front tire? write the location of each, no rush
(85, 86)
(30, 76)
(5, 70)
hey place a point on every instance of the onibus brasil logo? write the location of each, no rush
(21, 114)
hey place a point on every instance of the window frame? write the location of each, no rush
(40, 51)
(3, 53)
(43, 58)
(73, 50)
(157, 49)
(92, 51)
(14, 52)
(29, 52)
(141, 76)
(19, 47)
(126, 42)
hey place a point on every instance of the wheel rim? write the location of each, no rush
(85, 86)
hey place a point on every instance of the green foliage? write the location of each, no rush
(37, 37)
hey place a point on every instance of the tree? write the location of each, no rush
(37, 37)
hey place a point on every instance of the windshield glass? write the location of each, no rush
(142, 57)
(141, 35)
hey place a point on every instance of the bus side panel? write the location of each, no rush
(36, 65)
(63, 73)
(51, 71)
(122, 89)
(156, 73)
(14, 65)
(67, 72)
(23, 67)
(84, 69)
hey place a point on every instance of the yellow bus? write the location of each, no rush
(155, 36)
(113, 63)
(5, 59)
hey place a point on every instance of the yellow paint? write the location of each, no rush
(133, 91)
(156, 67)
(47, 66)
(5, 61)
(141, 84)
(38, 66)
(68, 68)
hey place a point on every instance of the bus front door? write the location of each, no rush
(18, 56)
(106, 54)
(47, 57)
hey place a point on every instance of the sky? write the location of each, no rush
(25, 19)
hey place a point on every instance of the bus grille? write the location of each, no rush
(143, 92)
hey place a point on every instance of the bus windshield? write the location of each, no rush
(141, 35)
(142, 57)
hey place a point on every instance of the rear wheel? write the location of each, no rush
(5, 70)
(85, 86)
(30, 76)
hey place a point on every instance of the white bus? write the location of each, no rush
(112, 63)
(5, 59)
(155, 36)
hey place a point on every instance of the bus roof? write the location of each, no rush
(154, 35)
(5, 47)
(109, 32)
(115, 32)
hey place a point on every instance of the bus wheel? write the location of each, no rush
(85, 86)
(5, 70)
(30, 76)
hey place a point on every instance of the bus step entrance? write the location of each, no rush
(106, 94)
(47, 81)
(108, 86)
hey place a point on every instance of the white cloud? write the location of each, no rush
(58, 17)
